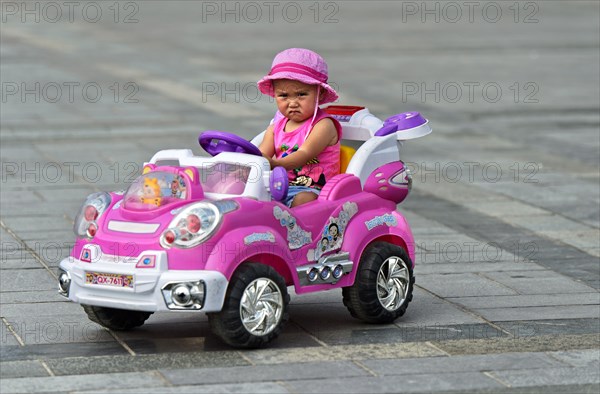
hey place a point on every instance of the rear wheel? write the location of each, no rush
(383, 286)
(116, 319)
(255, 308)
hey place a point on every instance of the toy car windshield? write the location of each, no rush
(224, 178)
(153, 190)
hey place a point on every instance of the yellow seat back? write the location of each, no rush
(346, 153)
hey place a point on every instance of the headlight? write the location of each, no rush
(192, 225)
(93, 207)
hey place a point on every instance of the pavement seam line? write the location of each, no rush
(497, 379)
(310, 334)
(162, 377)
(365, 368)
(121, 342)
(551, 355)
(483, 275)
(12, 330)
(246, 358)
(285, 386)
(428, 343)
(465, 310)
(27, 248)
(47, 368)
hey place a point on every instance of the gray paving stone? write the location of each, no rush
(51, 309)
(525, 341)
(404, 333)
(62, 350)
(267, 388)
(37, 330)
(528, 300)
(342, 352)
(539, 282)
(550, 376)
(540, 312)
(16, 259)
(477, 363)
(568, 388)
(418, 383)
(462, 285)
(21, 369)
(81, 382)
(578, 358)
(283, 372)
(145, 362)
(25, 297)
(38, 224)
(550, 327)
(474, 267)
(27, 280)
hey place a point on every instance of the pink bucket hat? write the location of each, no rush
(301, 65)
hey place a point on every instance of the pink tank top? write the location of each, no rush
(318, 170)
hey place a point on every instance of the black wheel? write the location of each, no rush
(255, 308)
(383, 286)
(116, 319)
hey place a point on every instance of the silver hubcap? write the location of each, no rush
(261, 306)
(392, 283)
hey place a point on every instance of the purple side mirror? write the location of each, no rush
(399, 122)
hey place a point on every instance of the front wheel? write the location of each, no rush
(255, 308)
(116, 319)
(383, 286)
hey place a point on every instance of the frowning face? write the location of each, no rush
(295, 100)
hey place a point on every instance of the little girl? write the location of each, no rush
(306, 140)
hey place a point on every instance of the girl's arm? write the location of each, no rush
(267, 146)
(322, 135)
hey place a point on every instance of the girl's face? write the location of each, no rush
(295, 100)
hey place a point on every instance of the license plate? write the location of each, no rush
(116, 280)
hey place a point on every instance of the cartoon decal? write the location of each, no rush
(177, 187)
(387, 219)
(296, 236)
(332, 236)
(151, 193)
(257, 237)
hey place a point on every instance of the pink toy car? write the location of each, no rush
(208, 234)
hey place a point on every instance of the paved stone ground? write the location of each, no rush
(505, 207)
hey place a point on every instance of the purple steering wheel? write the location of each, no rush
(215, 142)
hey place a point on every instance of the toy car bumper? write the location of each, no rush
(123, 286)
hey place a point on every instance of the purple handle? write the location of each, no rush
(279, 184)
(215, 142)
(399, 122)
